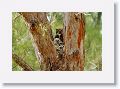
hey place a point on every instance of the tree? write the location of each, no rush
(73, 35)
(99, 17)
(74, 40)
(21, 62)
(42, 39)
(96, 18)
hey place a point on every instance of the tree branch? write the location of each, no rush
(18, 60)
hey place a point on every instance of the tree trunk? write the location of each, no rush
(74, 41)
(99, 17)
(73, 35)
(42, 39)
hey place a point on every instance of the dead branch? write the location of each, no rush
(19, 61)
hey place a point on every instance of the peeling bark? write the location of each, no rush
(40, 31)
(74, 40)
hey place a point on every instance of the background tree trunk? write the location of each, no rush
(74, 41)
(99, 18)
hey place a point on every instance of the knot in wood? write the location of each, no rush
(33, 24)
(76, 52)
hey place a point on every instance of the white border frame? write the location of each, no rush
(104, 76)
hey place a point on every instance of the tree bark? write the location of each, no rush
(73, 35)
(42, 39)
(18, 60)
(74, 41)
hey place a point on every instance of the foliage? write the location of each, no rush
(21, 42)
(93, 45)
(56, 21)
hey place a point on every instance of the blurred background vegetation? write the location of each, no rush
(22, 44)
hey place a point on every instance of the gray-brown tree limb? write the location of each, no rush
(19, 61)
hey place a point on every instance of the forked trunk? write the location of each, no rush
(73, 35)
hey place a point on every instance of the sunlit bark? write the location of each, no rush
(74, 40)
(73, 36)
(41, 34)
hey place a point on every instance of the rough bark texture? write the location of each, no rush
(18, 60)
(73, 36)
(41, 33)
(74, 40)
